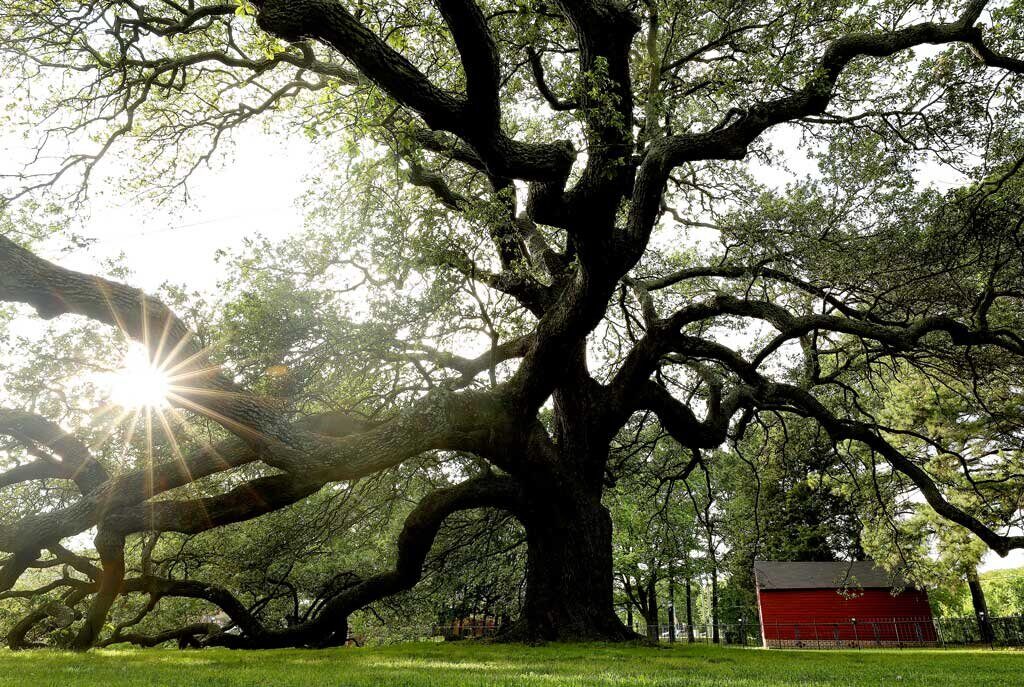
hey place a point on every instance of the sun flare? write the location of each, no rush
(140, 383)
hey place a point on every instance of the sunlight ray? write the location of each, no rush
(178, 455)
(117, 416)
(159, 362)
(201, 353)
(220, 418)
(149, 451)
(168, 363)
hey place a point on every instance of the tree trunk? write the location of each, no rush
(714, 603)
(980, 607)
(652, 608)
(569, 571)
(671, 605)
(689, 610)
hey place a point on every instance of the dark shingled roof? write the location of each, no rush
(830, 575)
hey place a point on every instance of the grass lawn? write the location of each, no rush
(416, 665)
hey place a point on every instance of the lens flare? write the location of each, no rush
(140, 383)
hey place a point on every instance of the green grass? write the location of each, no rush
(468, 664)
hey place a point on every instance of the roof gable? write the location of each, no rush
(823, 575)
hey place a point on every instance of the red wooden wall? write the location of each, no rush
(813, 615)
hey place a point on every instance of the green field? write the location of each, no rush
(414, 665)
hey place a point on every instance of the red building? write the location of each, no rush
(844, 604)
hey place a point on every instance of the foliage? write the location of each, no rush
(1004, 592)
(587, 287)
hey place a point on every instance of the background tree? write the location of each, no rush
(654, 530)
(784, 498)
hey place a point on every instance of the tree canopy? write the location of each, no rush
(565, 255)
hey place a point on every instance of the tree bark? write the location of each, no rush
(689, 610)
(714, 602)
(569, 571)
(980, 607)
(652, 606)
(671, 605)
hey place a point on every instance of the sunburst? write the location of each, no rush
(141, 383)
(142, 394)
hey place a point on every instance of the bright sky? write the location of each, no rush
(229, 202)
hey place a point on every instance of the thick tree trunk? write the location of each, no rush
(569, 571)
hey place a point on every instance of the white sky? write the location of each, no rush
(229, 202)
(992, 561)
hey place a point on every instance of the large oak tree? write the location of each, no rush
(540, 174)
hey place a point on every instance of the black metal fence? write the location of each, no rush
(733, 634)
(857, 634)
(1002, 631)
(864, 633)
(853, 633)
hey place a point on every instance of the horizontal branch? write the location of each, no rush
(438, 421)
(764, 392)
(730, 141)
(868, 435)
(76, 464)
